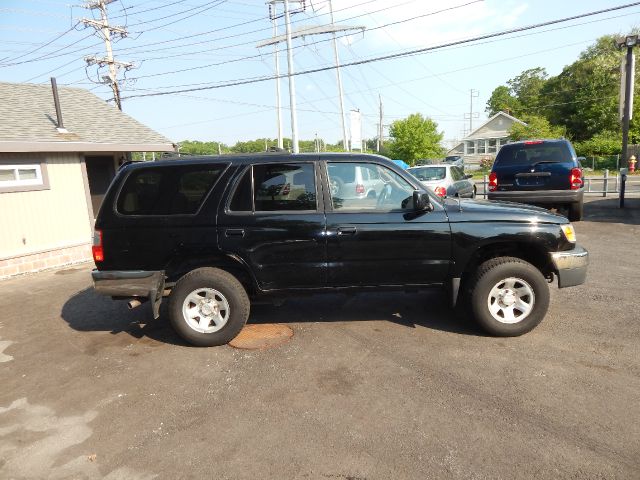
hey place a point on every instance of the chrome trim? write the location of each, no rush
(128, 283)
(569, 259)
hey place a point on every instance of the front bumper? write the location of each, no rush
(131, 283)
(538, 197)
(571, 266)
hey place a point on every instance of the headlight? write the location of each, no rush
(569, 232)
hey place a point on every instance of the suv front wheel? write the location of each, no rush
(509, 296)
(208, 307)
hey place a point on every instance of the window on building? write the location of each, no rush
(492, 146)
(482, 146)
(25, 175)
(471, 148)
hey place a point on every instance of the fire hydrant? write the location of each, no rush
(632, 164)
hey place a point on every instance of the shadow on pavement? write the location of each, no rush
(87, 311)
(608, 210)
(427, 309)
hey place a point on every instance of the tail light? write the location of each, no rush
(440, 191)
(96, 248)
(359, 189)
(286, 189)
(493, 182)
(576, 179)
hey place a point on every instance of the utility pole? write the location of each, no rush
(276, 53)
(473, 93)
(339, 79)
(626, 99)
(626, 94)
(106, 30)
(303, 32)
(380, 141)
(292, 83)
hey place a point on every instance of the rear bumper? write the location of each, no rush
(571, 266)
(540, 197)
(130, 283)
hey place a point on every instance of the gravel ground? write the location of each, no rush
(372, 386)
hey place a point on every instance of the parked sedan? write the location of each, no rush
(445, 180)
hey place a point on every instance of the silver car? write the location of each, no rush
(445, 180)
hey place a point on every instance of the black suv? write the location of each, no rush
(212, 232)
(539, 172)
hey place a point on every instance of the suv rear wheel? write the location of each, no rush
(509, 296)
(208, 307)
(576, 211)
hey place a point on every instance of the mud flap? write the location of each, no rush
(156, 298)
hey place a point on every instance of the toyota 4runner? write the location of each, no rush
(211, 233)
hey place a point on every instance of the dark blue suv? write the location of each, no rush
(539, 172)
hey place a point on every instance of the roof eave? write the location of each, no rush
(27, 146)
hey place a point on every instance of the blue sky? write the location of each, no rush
(221, 46)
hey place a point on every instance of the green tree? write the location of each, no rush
(521, 95)
(536, 127)
(584, 96)
(527, 88)
(413, 138)
(601, 144)
(501, 100)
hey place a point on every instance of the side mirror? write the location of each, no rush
(468, 176)
(422, 202)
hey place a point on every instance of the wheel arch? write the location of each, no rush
(530, 252)
(231, 264)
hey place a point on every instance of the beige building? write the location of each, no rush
(54, 172)
(486, 140)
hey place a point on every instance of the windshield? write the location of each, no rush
(529, 154)
(426, 174)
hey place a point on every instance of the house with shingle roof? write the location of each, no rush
(486, 140)
(55, 167)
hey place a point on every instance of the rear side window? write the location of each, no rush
(529, 154)
(176, 190)
(284, 186)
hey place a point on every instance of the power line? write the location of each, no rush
(397, 55)
(296, 47)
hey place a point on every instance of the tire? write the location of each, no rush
(221, 312)
(576, 211)
(475, 192)
(499, 287)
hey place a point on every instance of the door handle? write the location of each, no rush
(234, 232)
(347, 231)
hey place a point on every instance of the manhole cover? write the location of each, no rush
(262, 336)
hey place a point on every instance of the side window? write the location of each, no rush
(456, 174)
(167, 190)
(140, 193)
(386, 191)
(284, 186)
(242, 201)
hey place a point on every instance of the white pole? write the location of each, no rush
(292, 85)
(278, 101)
(340, 92)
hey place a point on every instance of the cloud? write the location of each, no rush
(415, 27)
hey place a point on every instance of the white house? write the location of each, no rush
(486, 140)
(53, 179)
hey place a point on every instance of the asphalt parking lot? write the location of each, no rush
(372, 386)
